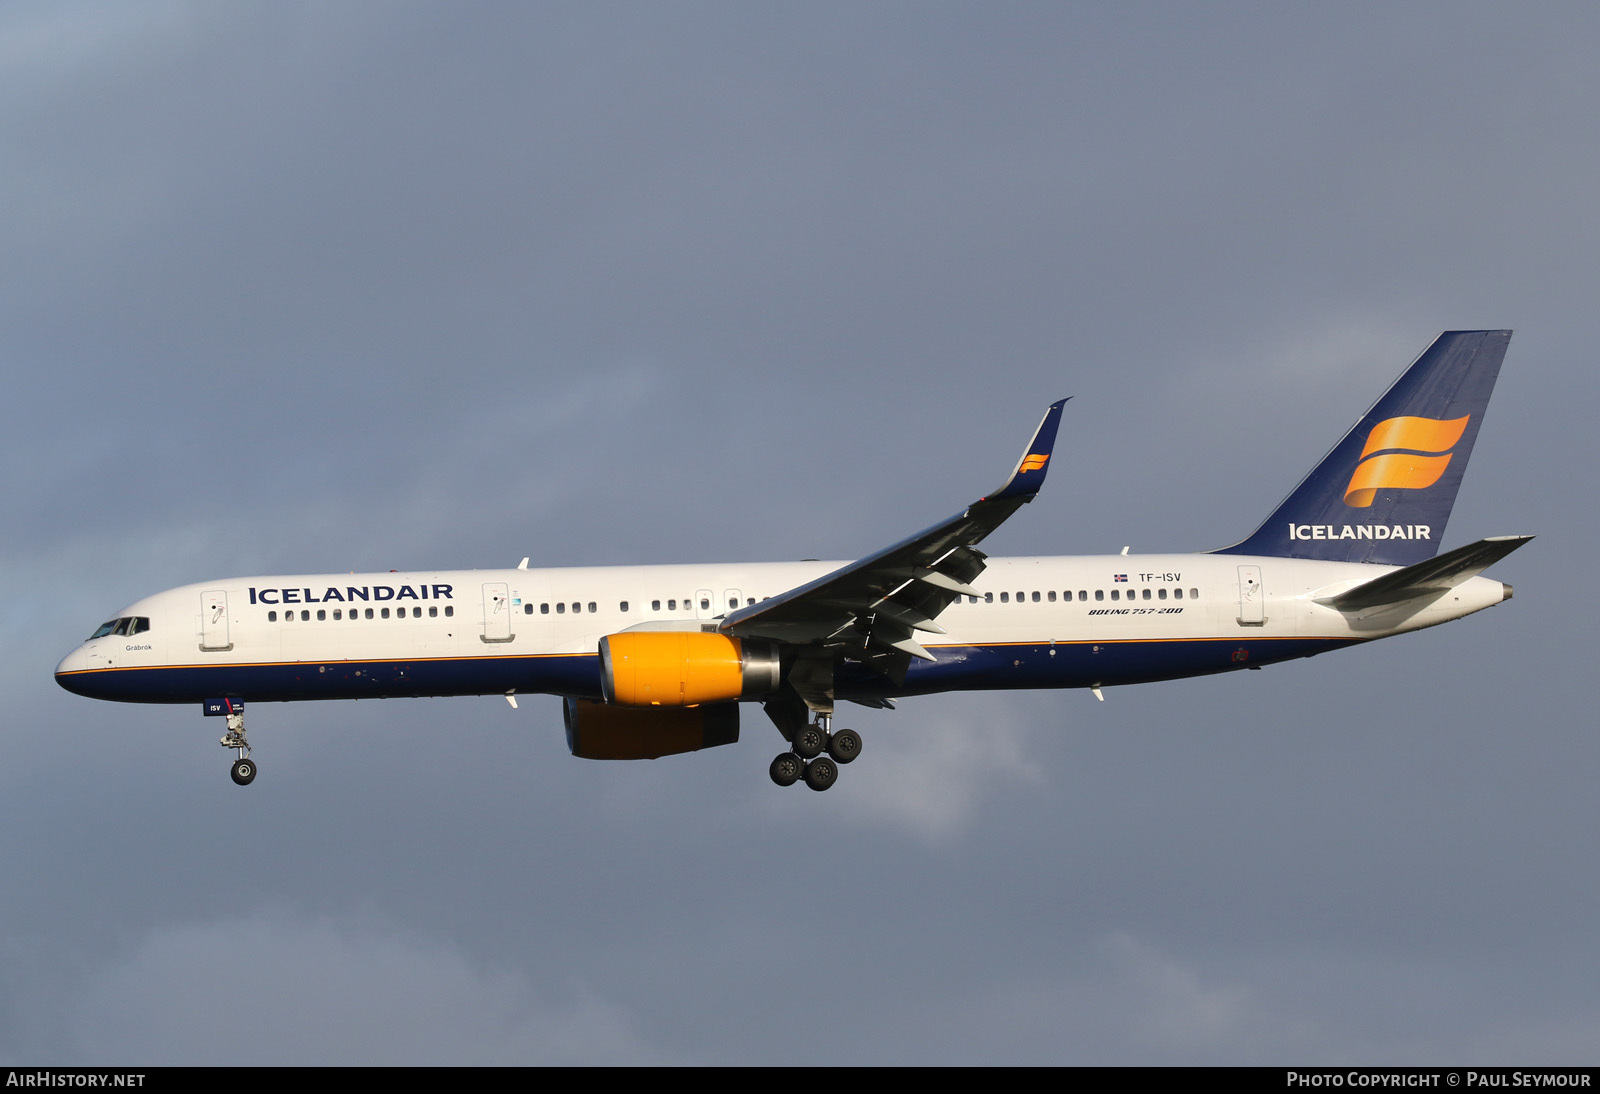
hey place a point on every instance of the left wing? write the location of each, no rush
(872, 608)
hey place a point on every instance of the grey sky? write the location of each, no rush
(333, 287)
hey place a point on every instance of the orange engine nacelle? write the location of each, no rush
(596, 731)
(685, 668)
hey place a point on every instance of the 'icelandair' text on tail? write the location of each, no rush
(1360, 531)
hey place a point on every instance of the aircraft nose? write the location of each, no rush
(74, 662)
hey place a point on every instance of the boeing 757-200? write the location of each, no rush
(655, 660)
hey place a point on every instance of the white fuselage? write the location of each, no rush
(1063, 621)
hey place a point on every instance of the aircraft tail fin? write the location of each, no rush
(1385, 492)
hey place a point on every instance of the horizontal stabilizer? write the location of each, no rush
(1429, 577)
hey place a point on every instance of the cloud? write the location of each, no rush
(266, 989)
(935, 763)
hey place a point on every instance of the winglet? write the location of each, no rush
(1025, 481)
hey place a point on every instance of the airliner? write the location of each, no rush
(652, 661)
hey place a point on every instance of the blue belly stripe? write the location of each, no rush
(958, 668)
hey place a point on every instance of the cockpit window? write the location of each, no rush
(128, 624)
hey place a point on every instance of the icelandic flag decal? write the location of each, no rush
(1119, 577)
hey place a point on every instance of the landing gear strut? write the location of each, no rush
(244, 768)
(807, 762)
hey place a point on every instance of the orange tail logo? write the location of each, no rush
(1032, 463)
(1430, 441)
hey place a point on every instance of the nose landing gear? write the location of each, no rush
(244, 768)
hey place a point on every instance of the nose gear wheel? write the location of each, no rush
(244, 768)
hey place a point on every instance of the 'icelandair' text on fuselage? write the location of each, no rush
(1360, 531)
(351, 592)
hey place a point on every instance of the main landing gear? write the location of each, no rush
(244, 768)
(806, 760)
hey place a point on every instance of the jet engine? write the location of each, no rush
(685, 668)
(598, 731)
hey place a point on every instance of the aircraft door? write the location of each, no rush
(214, 620)
(705, 604)
(1252, 599)
(496, 612)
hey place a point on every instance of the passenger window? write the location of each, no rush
(1194, 594)
(561, 607)
(750, 603)
(655, 605)
(672, 605)
(705, 605)
(1116, 594)
(1005, 598)
(1161, 594)
(591, 607)
(1099, 594)
(272, 617)
(384, 612)
(527, 609)
(369, 613)
(988, 598)
(1147, 594)
(544, 609)
(449, 610)
(1052, 596)
(337, 614)
(1036, 596)
(321, 615)
(1083, 594)
(433, 611)
(576, 607)
(623, 606)
(1177, 594)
